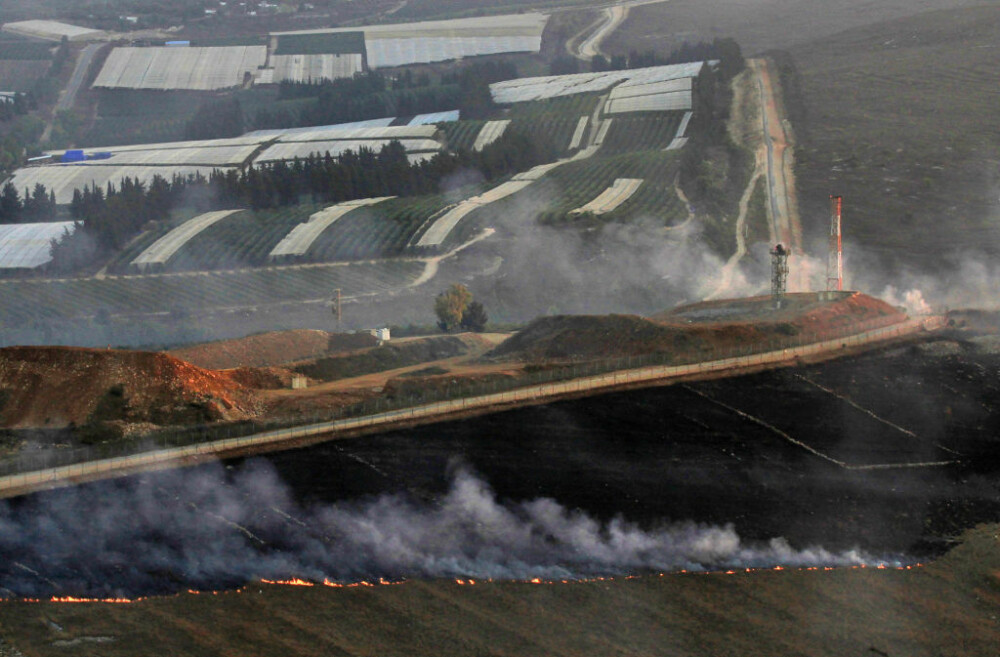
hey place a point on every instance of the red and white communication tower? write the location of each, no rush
(835, 258)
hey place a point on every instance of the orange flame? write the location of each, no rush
(69, 598)
(288, 582)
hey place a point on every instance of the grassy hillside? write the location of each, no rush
(758, 25)
(947, 607)
(900, 118)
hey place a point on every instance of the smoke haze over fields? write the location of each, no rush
(207, 528)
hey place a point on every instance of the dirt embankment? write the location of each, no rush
(260, 350)
(698, 329)
(55, 387)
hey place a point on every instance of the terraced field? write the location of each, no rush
(634, 133)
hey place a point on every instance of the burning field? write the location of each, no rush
(947, 607)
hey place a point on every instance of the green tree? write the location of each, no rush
(474, 318)
(450, 306)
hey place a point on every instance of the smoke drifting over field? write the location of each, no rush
(209, 529)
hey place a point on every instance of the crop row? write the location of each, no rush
(557, 128)
(462, 134)
(382, 230)
(649, 132)
(574, 184)
(244, 239)
(25, 301)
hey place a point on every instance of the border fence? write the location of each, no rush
(554, 380)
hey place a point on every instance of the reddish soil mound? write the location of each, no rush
(697, 330)
(260, 350)
(56, 386)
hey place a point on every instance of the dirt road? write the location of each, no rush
(612, 17)
(782, 201)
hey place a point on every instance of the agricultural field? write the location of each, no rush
(365, 229)
(633, 133)
(25, 301)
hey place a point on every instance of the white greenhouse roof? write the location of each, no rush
(552, 86)
(340, 133)
(620, 191)
(303, 149)
(435, 117)
(444, 224)
(305, 68)
(26, 246)
(526, 24)
(370, 123)
(489, 133)
(383, 53)
(180, 68)
(53, 30)
(216, 156)
(164, 248)
(398, 44)
(581, 127)
(298, 241)
(676, 101)
(62, 179)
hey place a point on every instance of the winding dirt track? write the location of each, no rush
(613, 16)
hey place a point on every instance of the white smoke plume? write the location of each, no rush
(207, 529)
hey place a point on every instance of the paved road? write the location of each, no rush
(68, 97)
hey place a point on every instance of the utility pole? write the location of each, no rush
(336, 307)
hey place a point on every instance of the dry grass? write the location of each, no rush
(900, 118)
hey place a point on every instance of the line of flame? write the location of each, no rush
(461, 582)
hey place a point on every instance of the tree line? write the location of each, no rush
(364, 96)
(108, 218)
(38, 204)
(726, 51)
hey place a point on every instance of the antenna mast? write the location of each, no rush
(779, 273)
(835, 257)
